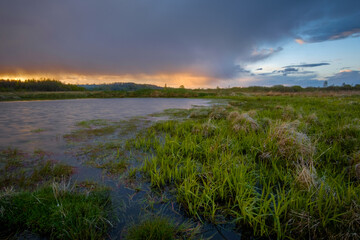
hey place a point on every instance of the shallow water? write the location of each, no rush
(29, 125)
(33, 125)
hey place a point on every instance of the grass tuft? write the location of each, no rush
(218, 113)
(306, 176)
(245, 123)
(161, 228)
(285, 141)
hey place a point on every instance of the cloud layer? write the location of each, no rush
(326, 29)
(348, 77)
(210, 38)
(306, 65)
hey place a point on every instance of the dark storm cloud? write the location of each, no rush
(205, 37)
(287, 70)
(297, 69)
(333, 29)
(290, 69)
(305, 65)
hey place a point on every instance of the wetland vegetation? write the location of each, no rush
(37, 196)
(285, 167)
(280, 167)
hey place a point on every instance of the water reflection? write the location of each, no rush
(38, 124)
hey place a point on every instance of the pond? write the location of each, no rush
(41, 124)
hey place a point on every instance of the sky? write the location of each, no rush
(195, 43)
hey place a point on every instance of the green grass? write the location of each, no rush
(161, 228)
(57, 212)
(36, 195)
(11, 95)
(285, 167)
(92, 123)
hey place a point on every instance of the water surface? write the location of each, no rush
(29, 125)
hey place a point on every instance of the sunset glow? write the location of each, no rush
(171, 80)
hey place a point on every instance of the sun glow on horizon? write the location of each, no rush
(171, 80)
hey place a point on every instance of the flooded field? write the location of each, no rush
(41, 124)
(274, 167)
(87, 134)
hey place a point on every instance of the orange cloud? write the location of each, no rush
(300, 41)
(345, 70)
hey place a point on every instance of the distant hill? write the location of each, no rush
(119, 87)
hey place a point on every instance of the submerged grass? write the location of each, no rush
(108, 156)
(38, 130)
(92, 129)
(27, 171)
(285, 167)
(86, 132)
(101, 143)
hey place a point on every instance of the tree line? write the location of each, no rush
(55, 85)
(37, 85)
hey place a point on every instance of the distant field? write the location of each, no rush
(47, 89)
(180, 93)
